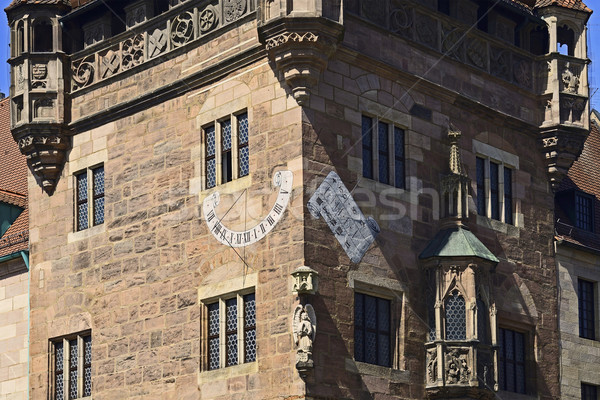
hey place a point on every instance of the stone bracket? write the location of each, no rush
(299, 49)
(45, 147)
(561, 146)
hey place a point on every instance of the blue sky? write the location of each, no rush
(593, 50)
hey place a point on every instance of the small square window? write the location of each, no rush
(71, 367)
(383, 153)
(372, 330)
(89, 199)
(226, 150)
(231, 331)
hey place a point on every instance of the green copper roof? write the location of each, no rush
(457, 242)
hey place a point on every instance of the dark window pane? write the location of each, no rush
(82, 201)
(231, 328)
(399, 180)
(367, 146)
(589, 392)
(511, 367)
(243, 152)
(587, 326)
(383, 149)
(98, 190)
(226, 158)
(210, 150)
(482, 322)
(481, 186)
(73, 375)
(213, 335)
(59, 385)
(249, 328)
(508, 213)
(372, 339)
(494, 195)
(583, 212)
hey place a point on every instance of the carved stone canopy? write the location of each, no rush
(45, 147)
(300, 48)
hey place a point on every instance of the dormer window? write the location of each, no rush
(584, 211)
(42, 36)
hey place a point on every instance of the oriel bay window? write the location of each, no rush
(226, 151)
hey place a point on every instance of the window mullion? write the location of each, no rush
(391, 155)
(488, 188)
(80, 349)
(240, 328)
(66, 369)
(501, 200)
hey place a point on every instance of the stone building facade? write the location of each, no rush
(14, 258)
(578, 256)
(305, 199)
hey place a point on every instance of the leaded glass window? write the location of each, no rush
(456, 325)
(587, 309)
(243, 151)
(511, 367)
(482, 322)
(89, 198)
(98, 191)
(384, 141)
(372, 330)
(231, 331)
(226, 150)
(72, 367)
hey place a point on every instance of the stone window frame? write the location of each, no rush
(236, 148)
(594, 303)
(394, 291)
(528, 332)
(504, 160)
(81, 364)
(91, 197)
(220, 292)
(393, 163)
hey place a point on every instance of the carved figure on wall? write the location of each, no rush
(432, 365)
(570, 80)
(457, 368)
(304, 328)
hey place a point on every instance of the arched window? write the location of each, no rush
(42, 36)
(20, 39)
(565, 40)
(456, 325)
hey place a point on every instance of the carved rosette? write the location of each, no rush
(561, 147)
(299, 49)
(45, 147)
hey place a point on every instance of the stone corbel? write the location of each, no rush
(299, 50)
(45, 148)
(561, 147)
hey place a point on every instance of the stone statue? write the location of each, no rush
(570, 80)
(304, 328)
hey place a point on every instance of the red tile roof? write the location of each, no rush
(573, 4)
(13, 185)
(69, 3)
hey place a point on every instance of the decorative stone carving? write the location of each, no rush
(304, 328)
(20, 78)
(500, 63)
(96, 31)
(452, 42)
(299, 55)
(432, 365)
(457, 368)
(401, 20)
(132, 52)
(426, 30)
(476, 51)
(522, 73)
(109, 63)
(182, 29)
(138, 13)
(157, 42)
(570, 80)
(233, 9)
(43, 108)
(560, 148)
(82, 72)
(305, 280)
(209, 19)
(45, 148)
(354, 232)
